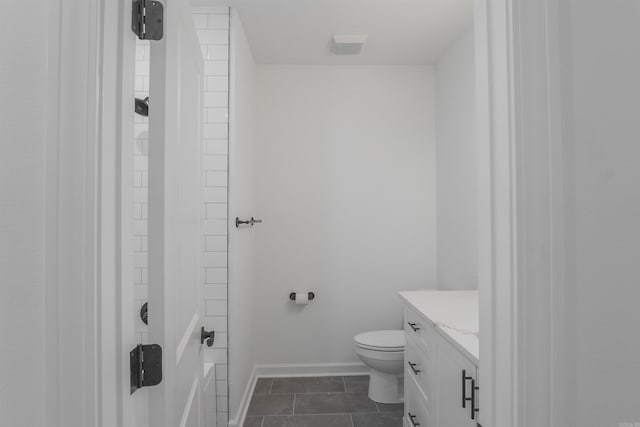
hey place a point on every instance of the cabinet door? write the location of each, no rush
(416, 413)
(451, 364)
(420, 365)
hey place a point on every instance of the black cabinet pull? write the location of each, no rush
(413, 368)
(473, 399)
(411, 418)
(465, 378)
(413, 326)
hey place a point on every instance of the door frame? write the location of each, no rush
(95, 37)
(521, 213)
(118, 58)
(80, 324)
(87, 364)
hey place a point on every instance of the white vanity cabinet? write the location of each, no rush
(441, 374)
(456, 397)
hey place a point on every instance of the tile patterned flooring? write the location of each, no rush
(319, 402)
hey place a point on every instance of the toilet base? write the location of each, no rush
(386, 388)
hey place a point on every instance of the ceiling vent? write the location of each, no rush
(347, 44)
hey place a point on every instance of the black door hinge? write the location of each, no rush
(147, 19)
(146, 366)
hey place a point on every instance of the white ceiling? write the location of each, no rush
(400, 32)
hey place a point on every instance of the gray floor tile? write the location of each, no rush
(377, 420)
(333, 403)
(342, 420)
(271, 404)
(357, 383)
(263, 386)
(252, 421)
(391, 407)
(307, 385)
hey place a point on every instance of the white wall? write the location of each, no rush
(602, 174)
(23, 91)
(578, 194)
(457, 221)
(346, 189)
(242, 275)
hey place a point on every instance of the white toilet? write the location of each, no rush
(383, 352)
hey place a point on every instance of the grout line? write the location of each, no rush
(344, 382)
(293, 410)
(351, 419)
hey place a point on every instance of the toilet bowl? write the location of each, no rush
(383, 353)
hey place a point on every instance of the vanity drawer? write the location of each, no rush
(420, 365)
(419, 328)
(416, 412)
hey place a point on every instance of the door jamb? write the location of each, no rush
(74, 327)
(498, 216)
(115, 136)
(497, 253)
(521, 255)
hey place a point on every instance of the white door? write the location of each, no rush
(174, 206)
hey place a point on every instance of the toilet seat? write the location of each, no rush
(387, 341)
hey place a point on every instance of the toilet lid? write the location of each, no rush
(388, 340)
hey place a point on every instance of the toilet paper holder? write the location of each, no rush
(292, 296)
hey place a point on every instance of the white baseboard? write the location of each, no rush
(285, 370)
(311, 370)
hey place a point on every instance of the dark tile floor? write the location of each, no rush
(319, 402)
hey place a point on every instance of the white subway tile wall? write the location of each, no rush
(140, 191)
(212, 25)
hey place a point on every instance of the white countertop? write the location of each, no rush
(455, 315)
